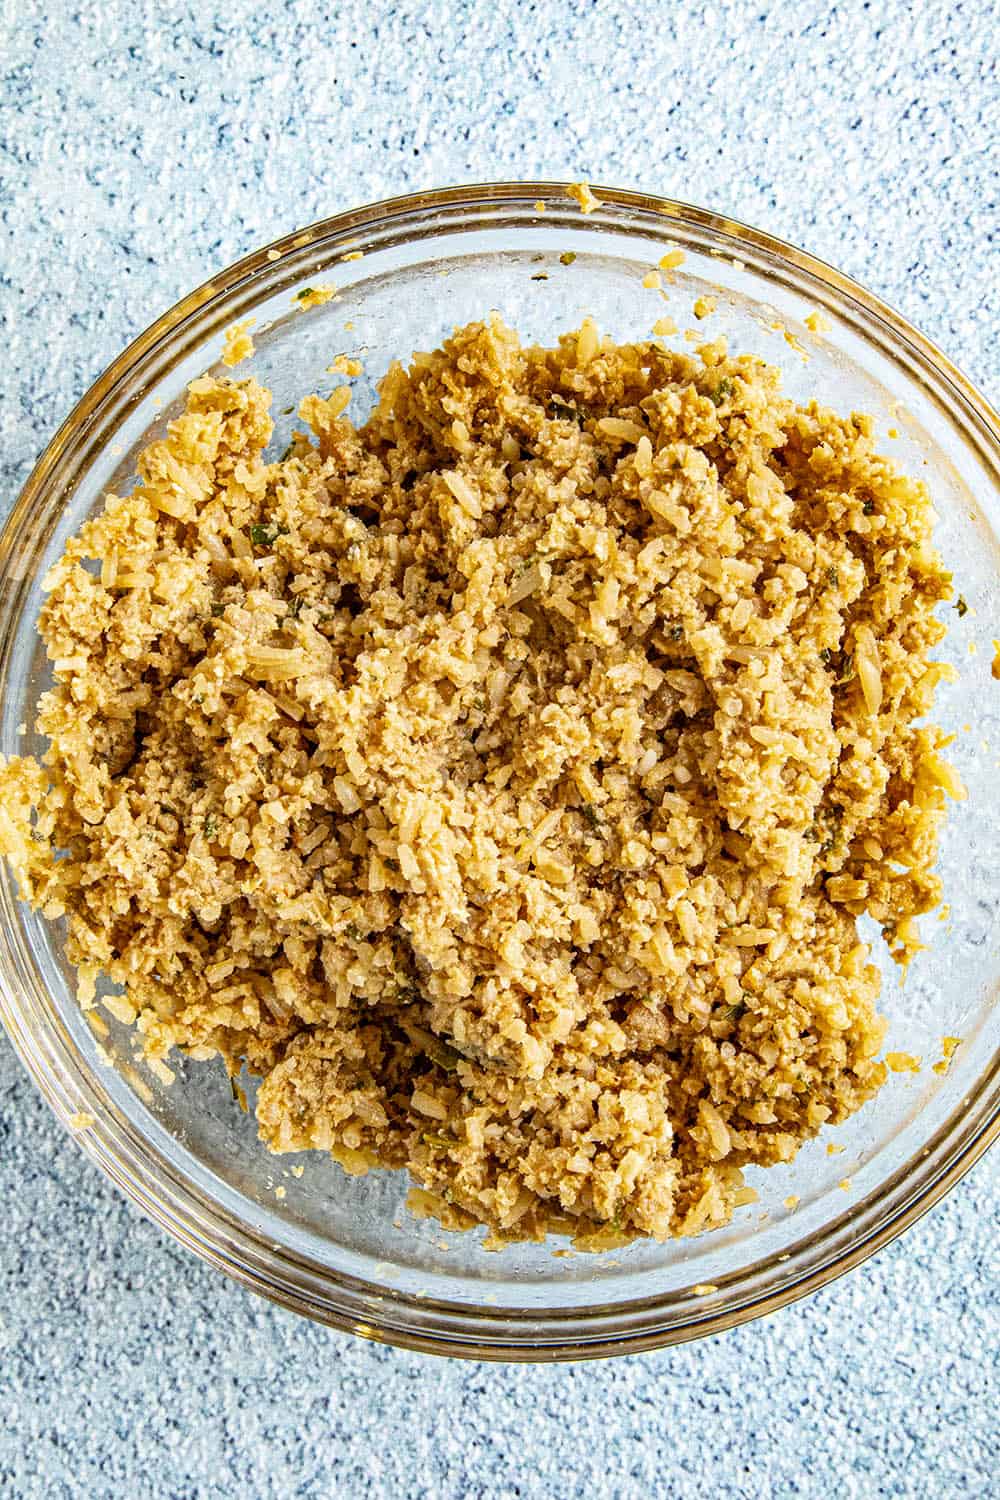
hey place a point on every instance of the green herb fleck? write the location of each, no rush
(722, 390)
(677, 632)
(868, 509)
(307, 291)
(286, 411)
(218, 610)
(446, 1057)
(836, 818)
(730, 1013)
(560, 408)
(961, 606)
(833, 576)
(846, 670)
(211, 825)
(287, 452)
(433, 1138)
(431, 1045)
(567, 258)
(542, 276)
(826, 656)
(593, 817)
(265, 534)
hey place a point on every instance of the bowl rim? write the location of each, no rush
(420, 1334)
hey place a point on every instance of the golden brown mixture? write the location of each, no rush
(502, 780)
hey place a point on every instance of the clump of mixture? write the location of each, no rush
(502, 780)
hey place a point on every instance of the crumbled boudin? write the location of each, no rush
(502, 780)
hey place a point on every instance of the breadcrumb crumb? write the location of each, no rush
(238, 345)
(817, 322)
(672, 259)
(580, 192)
(314, 296)
(949, 1046)
(344, 364)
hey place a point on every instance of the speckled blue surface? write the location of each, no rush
(142, 148)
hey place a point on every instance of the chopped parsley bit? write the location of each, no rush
(265, 534)
(833, 838)
(307, 291)
(961, 606)
(432, 1046)
(561, 409)
(847, 670)
(731, 1012)
(722, 390)
(210, 826)
(354, 932)
(677, 632)
(446, 1057)
(287, 452)
(593, 817)
(833, 576)
(868, 508)
(567, 258)
(542, 276)
(286, 411)
(826, 656)
(218, 610)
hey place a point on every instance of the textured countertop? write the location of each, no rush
(143, 147)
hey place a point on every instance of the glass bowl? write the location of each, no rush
(345, 1250)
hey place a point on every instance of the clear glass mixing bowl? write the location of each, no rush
(343, 1249)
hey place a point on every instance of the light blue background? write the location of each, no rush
(143, 147)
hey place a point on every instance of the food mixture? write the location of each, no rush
(502, 780)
